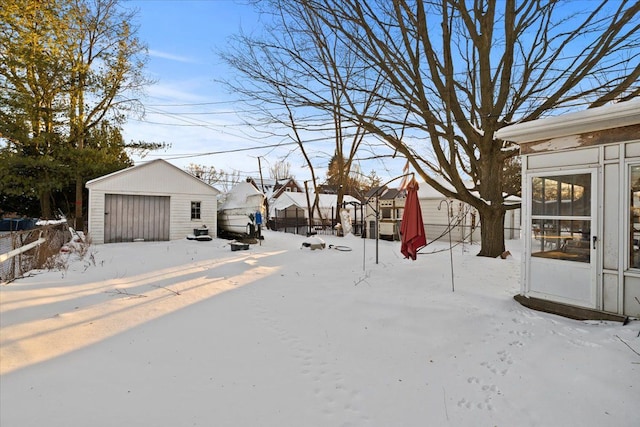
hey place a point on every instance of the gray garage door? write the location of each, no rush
(130, 217)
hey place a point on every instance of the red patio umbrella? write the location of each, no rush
(412, 233)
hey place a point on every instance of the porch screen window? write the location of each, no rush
(195, 210)
(561, 217)
(634, 218)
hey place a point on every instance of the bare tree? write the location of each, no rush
(299, 77)
(106, 61)
(281, 170)
(68, 68)
(212, 176)
(457, 71)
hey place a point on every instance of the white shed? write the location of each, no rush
(581, 211)
(441, 214)
(438, 212)
(152, 201)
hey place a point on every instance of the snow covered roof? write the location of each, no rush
(591, 120)
(153, 175)
(272, 187)
(300, 200)
(242, 195)
(267, 184)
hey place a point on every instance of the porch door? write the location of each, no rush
(562, 240)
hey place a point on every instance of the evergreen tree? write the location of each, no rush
(70, 71)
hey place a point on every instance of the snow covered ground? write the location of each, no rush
(189, 333)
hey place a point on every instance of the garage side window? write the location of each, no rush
(195, 210)
(634, 217)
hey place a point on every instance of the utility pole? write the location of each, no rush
(306, 191)
(260, 169)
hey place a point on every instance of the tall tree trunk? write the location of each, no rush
(79, 201)
(80, 129)
(492, 231)
(45, 204)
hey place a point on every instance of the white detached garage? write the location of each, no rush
(152, 202)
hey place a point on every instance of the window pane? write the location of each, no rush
(564, 195)
(561, 239)
(195, 210)
(634, 218)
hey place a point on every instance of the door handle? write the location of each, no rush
(595, 239)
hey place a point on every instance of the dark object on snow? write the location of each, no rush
(237, 246)
(200, 234)
(412, 232)
(340, 248)
(201, 231)
(314, 243)
(568, 310)
(313, 246)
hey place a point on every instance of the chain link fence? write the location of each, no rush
(17, 265)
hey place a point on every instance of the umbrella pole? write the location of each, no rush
(453, 289)
(364, 255)
(377, 208)
(377, 226)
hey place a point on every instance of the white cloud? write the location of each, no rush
(170, 56)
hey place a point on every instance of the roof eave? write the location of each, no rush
(595, 119)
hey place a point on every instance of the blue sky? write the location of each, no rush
(187, 108)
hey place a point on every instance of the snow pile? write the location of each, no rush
(189, 333)
(242, 195)
(314, 242)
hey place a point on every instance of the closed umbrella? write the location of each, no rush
(412, 233)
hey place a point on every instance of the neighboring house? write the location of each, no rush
(439, 214)
(273, 188)
(581, 211)
(389, 204)
(151, 201)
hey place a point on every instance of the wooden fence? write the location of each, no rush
(23, 251)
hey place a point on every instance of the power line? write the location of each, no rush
(235, 150)
(195, 104)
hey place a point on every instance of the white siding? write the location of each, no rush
(632, 149)
(157, 178)
(96, 216)
(436, 220)
(570, 158)
(181, 222)
(617, 287)
(611, 216)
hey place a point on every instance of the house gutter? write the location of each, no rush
(591, 120)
